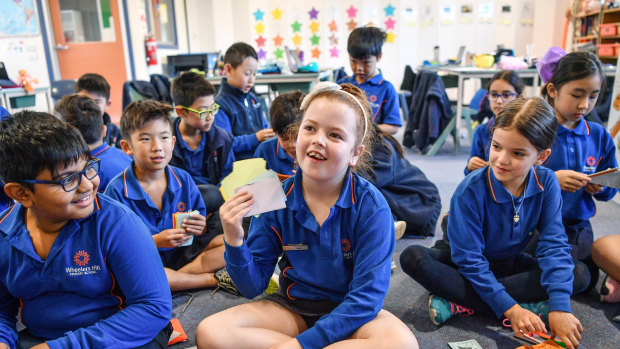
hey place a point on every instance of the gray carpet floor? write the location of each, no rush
(409, 301)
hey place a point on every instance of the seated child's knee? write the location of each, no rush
(582, 276)
(411, 257)
(209, 334)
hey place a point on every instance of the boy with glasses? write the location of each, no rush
(67, 256)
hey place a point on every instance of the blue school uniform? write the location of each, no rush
(481, 229)
(4, 112)
(242, 115)
(347, 260)
(96, 289)
(276, 157)
(113, 161)
(181, 195)
(211, 161)
(382, 97)
(481, 144)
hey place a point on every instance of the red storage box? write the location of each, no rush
(606, 49)
(609, 29)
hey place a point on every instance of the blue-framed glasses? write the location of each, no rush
(72, 181)
(204, 114)
(504, 95)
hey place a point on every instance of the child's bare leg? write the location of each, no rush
(373, 334)
(260, 324)
(606, 254)
(180, 281)
(208, 261)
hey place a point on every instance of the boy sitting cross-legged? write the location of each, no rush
(155, 191)
(68, 257)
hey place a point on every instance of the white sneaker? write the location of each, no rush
(400, 227)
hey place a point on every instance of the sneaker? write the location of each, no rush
(393, 265)
(400, 227)
(274, 284)
(610, 290)
(224, 282)
(539, 308)
(441, 310)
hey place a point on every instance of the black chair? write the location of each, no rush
(62, 88)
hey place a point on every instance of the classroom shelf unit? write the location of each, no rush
(609, 40)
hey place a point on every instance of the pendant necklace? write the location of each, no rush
(516, 216)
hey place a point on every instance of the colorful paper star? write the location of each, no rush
(279, 52)
(261, 54)
(314, 14)
(315, 39)
(296, 40)
(260, 28)
(316, 53)
(333, 40)
(390, 37)
(352, 12)
(333, 52)
(258, 15)
(389, 10)
(333, 27)
(389, 24)
(314, 27)
(352, 24)
(277, 14)
(260, 41)
(296, 26)
(277, 41)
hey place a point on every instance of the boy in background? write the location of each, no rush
(279, 152)
(242, 113)
(155, 191)
(364, 47)
(96, 87)
(202, 149)
(82, 113)
(68, 257)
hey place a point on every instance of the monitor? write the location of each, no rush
(185, 62)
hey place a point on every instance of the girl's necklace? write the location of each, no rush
(516, 210)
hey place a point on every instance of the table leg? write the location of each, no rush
(536, 83)
(459, 112)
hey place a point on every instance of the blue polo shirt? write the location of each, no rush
(481, 228)
(101, 286)
(181, 195)
(382, 97)
(4, 112)
(347, 260)
(113, 161)
(481, 144)
(588, 148)
(276, 157)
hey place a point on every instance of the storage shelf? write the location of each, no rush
(588, 14)
(613, 10)
(588, 37)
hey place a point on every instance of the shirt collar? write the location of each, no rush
(582, 128)
(345, 200)
(100, 149)
(230, 88)
(500, 194)
(282, 155)
(375, 80)
(133, 190)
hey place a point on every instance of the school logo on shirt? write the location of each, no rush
(81, 259)
(181, 206)
(372, 98)
(591, 164)
(345, 245)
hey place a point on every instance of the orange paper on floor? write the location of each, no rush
(178, 334)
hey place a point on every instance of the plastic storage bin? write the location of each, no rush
(609, 29)
(23, 101)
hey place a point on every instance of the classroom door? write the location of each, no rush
(88, 40)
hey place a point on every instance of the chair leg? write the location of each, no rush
(442, 137)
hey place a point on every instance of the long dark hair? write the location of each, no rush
(575, 66)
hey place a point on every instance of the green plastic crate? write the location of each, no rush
(23, 101)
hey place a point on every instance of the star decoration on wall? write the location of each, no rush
(296, 26)
(390, 37)
(315, 39)
(314, 14)
(260, 28)
(333, 52)
(258, 15)
(296, 40)
(260, 41)
(333, 26)
(389, 10)
(389, 23)
(279, 52)
(314, 26)
(351, 24)
(277, 40)
(352, 12)
(261, 54)
(277, 14)
(316, 53)
(333, 40)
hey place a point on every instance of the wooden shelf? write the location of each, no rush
(588, 14)
(588, 37)
(608, 57)
(613, 10)
(610, 37)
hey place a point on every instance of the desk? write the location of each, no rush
(8, 93)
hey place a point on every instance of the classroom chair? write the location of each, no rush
(137, 90)
(61, 88)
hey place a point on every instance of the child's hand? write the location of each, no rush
(171, 238)
(475, 163)
(265, 134)
(524, 321)
(592, 188)
(231, 215)
(571, 181)
(195, 224)
(566, 326)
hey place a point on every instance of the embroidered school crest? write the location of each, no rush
(81, 258)
(181, 206)
(372, 98)
(591, 160)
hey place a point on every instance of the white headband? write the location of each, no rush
(325, 86)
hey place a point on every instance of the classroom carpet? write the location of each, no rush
(409, 301)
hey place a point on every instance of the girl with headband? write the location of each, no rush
(336, 236)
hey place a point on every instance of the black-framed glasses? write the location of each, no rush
(504, 95)
(72, 181)
(204, 114)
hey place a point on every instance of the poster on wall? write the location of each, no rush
(613, 124)
(18, 17)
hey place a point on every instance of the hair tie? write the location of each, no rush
(325, 86)
(546, 65)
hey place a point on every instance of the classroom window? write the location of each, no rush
(86, 20)
(161, 22)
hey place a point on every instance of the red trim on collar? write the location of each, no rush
(491, 185)
(291, 188)
(97, 202)
(587, 126)
(378, 109)
(125, 183)
(175, 176)
(106, 148)
(6, 215)
(537, 181)
(352, 196)
(277, 233)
